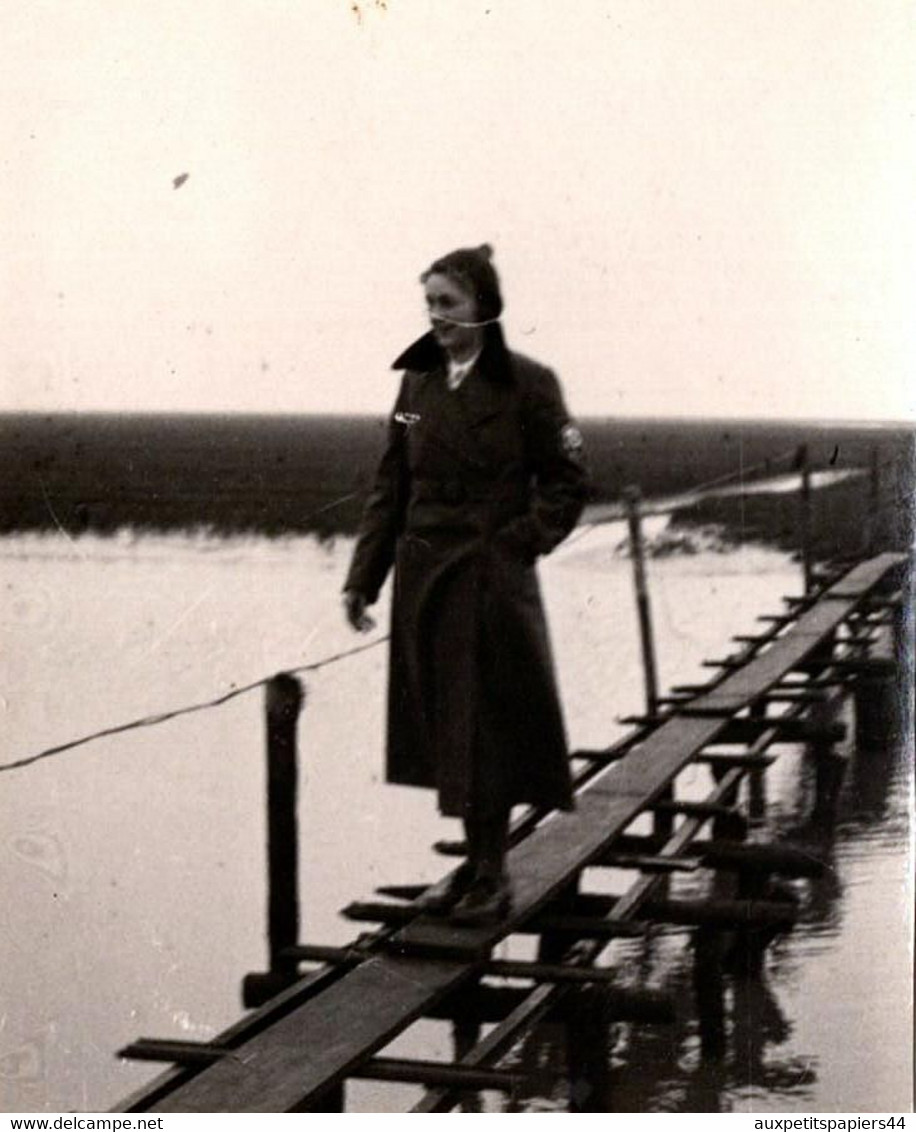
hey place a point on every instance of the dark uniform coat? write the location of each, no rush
(473, 486)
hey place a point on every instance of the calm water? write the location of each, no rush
(132, 868)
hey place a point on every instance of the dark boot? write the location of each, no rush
(488, 901)
(440, 898)
(490, 896)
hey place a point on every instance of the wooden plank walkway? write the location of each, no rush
(765, 670)
(297, 1058)
(289, 1064)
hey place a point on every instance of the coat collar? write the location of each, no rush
(426, 354)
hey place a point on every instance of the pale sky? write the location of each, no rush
(697, 206)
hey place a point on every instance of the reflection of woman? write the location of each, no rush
(482, 473)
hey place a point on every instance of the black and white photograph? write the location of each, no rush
(457, 465)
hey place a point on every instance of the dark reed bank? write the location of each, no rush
(226, 474)
(847, 517)
(291, 474)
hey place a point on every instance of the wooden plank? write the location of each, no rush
(597, 924)
(439, 1073)
(766, 670)
(317, 1045)
(723, 913)
(650, 864)
(648, 769)
(864, 577)
(566, 843)
(549, 972)
(698, 809)
(744, 730)
(818, 622)
(178, 1052)
(768, 667)
(141, 1099)
(789, 860)
(748, 760)
(556, 923)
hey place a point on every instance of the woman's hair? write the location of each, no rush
(472, 269)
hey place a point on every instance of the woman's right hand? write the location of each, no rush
(355, 610)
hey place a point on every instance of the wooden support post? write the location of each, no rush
(829, 766)
(903, 650)
(756, 779)
(804, 518)
(552, 946)
(466, 1033)
(662, 823)
(708, 976)
(709, 941)
(747, 953)
(902, 622)
(727, 824)
(588, 1051)
(749, 947)
(829, 772)
(283, 702)
(632, 497)
(875, 707)
(873, 512)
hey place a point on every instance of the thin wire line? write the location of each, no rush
(163, 717)
(616, 511)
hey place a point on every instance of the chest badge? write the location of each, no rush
(407, 418)
(571, 440)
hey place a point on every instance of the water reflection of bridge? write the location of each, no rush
(310, 1033)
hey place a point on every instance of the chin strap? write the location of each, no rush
(457, 322)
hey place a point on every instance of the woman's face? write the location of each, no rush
(449, 305)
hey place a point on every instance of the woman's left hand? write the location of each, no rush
(355, 610)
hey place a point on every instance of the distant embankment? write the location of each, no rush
(276, 475)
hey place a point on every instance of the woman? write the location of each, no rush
(482, 473)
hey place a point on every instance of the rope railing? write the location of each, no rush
(661, 508)
(671, 503)
(165, 716)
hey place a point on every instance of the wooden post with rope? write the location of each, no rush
(284, 701)
(632, 496)
(804, 517)
(873, 511)
(662, 822)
